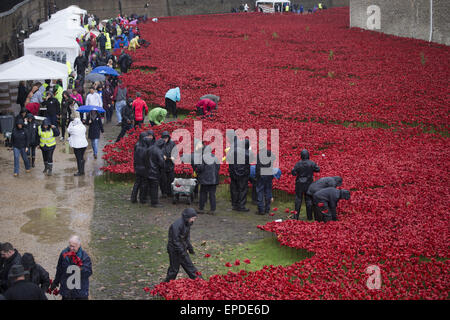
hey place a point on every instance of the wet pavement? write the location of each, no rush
(39, 213)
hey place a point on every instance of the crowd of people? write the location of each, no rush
(103, 44)
(154, 163)
(21, 278)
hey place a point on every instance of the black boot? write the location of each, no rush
(134, 193)
(45, 167)
(82, 167)
(50, 168)
(32, 161)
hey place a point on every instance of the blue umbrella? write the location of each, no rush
(91, 108)
(105, 70)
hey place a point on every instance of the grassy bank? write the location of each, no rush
(129, 240)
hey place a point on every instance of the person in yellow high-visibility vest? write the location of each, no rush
(46, 86)
(69, 67)
(47, 142)
(108, 41)
(320, 6)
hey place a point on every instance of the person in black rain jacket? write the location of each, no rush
(327, 200)
(140, 184)
(154, 165)
(36, 273)
(304, 173)
(168, 174)
(10, 257)
(179, 245)
(33, 138)
(320, 184)
(239, 158)
(20, 142)
(208, 178)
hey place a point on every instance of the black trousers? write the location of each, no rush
(166, 180)
(109, 112)
(317, 213)
(239, 190)
(138, 123)
(254, 196)
(300, 192)
(176, 259)
(153, 190)
(140, 187)
(79, 154)
(63, 127)
(47, 154)
(208, 190)
(31, 151)
(171, 107)
(123, 131)
(80, 76)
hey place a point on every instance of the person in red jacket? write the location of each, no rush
(205, 106)
(138, 109)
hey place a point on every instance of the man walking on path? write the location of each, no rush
(126, 120)
(73, 271)
(120, 97)
(179, 245)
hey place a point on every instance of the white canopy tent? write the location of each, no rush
(30, 67)
(70, 10)
(59, 29)
(53, 47)
(71, 21)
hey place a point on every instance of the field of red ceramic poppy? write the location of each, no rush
(369, 107)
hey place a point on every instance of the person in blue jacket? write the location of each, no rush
(171, 99)
(70, 288)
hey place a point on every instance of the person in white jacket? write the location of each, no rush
(79, 143)
(94, 98)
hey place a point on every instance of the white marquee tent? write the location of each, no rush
(53, 47)
(30, 67)
(69, 10)
(60, 30)
(71, 21)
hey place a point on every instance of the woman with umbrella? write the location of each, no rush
(95, 127)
